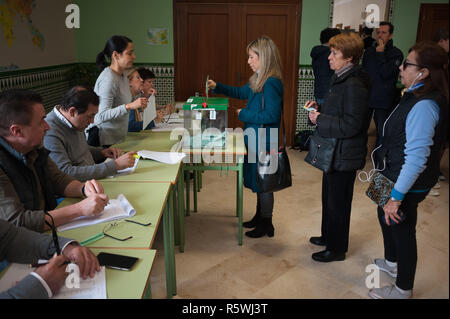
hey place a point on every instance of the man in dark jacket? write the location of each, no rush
(382, 63)
(321, 67)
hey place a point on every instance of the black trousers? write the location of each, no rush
(400, 244)
(379, 117)
(337, 196)
(264, 204)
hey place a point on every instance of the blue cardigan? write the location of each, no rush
(253, 117)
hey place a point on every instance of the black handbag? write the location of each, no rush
(268, 180)
(321, 152)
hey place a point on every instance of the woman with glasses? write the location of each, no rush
(409, 157)
(266, 82)
(342, 116)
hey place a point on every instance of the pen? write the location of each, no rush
(136, 156)
(43, 264)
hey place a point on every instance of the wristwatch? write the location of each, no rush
(395, 200)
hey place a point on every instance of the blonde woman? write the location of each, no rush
(264, 60)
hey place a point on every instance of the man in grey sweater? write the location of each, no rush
(67, 143)
(24, 246)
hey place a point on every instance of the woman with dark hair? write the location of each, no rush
(409, 155)
(342, 116)
(112, 86)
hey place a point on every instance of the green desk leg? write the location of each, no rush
(187, 177)
(169, 251)
(148, 292)
(195, 188)
(240, 199)
(171, 241)
(176, 216)
(181, 209)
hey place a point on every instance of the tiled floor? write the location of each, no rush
(214, 266)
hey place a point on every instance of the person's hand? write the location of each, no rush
(125, 161)
(169, 108)
(211, 84)
(159, 116)
(93, 205)
(93, 187)
(54, 273)
(391, 212)
(381, 46)
(312, 104)
(111, 152)
(84, 258)
(140, 103)
(238, 111)
(313, 117)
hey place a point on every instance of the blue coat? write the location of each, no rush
(253, 117)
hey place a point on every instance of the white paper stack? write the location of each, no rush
(163, 157)
(116, 209)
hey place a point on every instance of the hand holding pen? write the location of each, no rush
(126, 160)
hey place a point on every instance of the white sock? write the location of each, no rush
(403, 291)
(390, 264)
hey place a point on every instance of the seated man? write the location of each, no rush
(67, 144)
(142, 82)
(29, 180)
(24, 246)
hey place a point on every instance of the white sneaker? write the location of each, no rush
(389, 292)
(434, 192)
(381, 263)
(442, 178)
(437, 186)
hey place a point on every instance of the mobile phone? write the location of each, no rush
(393, 222)
(116, 261)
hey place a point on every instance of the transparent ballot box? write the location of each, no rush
(206, 120)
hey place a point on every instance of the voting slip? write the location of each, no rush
(89, 288)
(125, 171)
(163, 157)
(116, 209)
(149, 111)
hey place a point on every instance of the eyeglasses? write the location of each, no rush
(405, 65)
(54, 234)
(114, 225)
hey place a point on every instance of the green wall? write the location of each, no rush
(406, 21)
(100, 19)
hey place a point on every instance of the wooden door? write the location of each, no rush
(211, 38)
(432, 18)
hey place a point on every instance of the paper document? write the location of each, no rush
(90, 288)
(149, 111)
(125, 171)
(163, 157)
(116, 209)
(167, 127)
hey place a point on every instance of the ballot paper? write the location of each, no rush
(125, 171)
(116, 209)
(149, 111)
(163, 157)
(90, 288)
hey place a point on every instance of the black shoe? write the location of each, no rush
(263, 227)
(327, 256)
(317, 241)
(253, 222)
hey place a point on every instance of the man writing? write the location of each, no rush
(29, 180)
(67, 144)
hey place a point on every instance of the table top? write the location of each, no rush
(131, 284)
(148, 199)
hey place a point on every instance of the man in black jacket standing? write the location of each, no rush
(382, 63)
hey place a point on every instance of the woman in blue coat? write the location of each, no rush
(264, 60)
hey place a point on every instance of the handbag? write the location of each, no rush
(268, 180)
(380, 189)
(321, 152)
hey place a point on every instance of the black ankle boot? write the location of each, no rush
(254, 221)
(263, 227)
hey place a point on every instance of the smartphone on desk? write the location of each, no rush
(116, 261)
